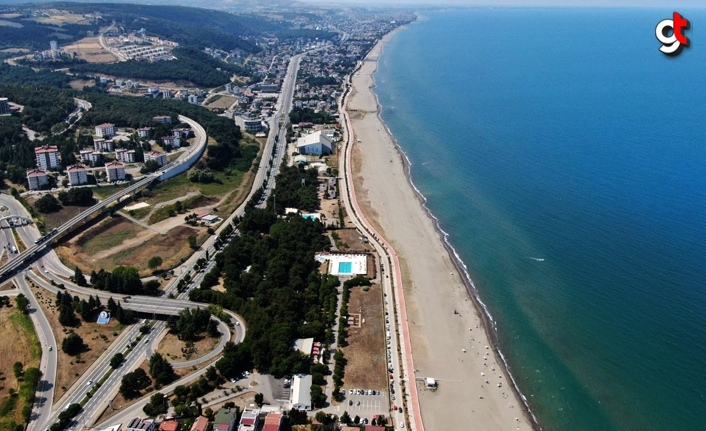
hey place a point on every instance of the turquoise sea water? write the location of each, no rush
(566, 158)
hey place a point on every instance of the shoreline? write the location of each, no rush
(487, 322)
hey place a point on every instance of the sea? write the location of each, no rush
(565, 157)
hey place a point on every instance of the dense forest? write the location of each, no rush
(192, 65)
(296, 188)
(273, 281)
(186, 25)
(26, 33)
(43, 107)
(23, 75)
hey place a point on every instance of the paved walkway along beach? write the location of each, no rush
(445, 329)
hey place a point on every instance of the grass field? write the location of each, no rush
(107, 241)
(103, 192)
(19, 344)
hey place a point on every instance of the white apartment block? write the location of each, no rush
(102, 145)
(105, 130)
(158, 157)
(125, 156)
(47, 157)
(115, 171)
(77, 175)
(37, 179)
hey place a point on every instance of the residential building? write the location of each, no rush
(171, 142)
(164, 119)
(105, 130)
(77, 175)
(374, 428)
(90, 157)
(200, 424)
(250, 125)
(273, 422)
(144, 132)
(181, 132)
(269, 88)
(316, 144)
(193, 99)
(53, 45)
(158, 157)
(225, 419)
(4, 106)
(124, 155)
(301, 393)
(169, 425)
(115, 171)
(249, 420)
(102, 145)
(138, 424)
(47, 156)
(37, 179)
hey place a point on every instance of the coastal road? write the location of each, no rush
(392, 287)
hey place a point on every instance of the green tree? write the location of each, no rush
(345, 418)
(154, 262)
(157, 405)
(47, 204)
(17, 368)
(79, 278)
(132, 383)
(192, 242)
(73, 344)
(161, 370)
(318, 397)
(259, 399)
(117, 360)
(22, 303)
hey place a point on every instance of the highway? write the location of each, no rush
(33, 249)
(50, 267)
(399, 345)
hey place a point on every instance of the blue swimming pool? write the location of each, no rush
(345, 267)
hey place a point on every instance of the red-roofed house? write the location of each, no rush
(273, 421)
(105, 130)
(249, 420)
(170, 425)
(200, 424)
(374, 428)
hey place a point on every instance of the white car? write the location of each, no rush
(89, 383)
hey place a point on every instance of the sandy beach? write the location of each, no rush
(447, 334)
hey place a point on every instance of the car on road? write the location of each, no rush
(51, 348)
(400, 409)
(89, 383)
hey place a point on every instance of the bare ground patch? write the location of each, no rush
(176, 350)
(223, 102)
(96, 337)
(366, 345)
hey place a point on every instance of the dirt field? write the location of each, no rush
(90, 49)
(120, 242)
(18, 344)
(78, 84)
(366, 345)
(174, 349)
(223, 103)
(97, 337)
(349, 241)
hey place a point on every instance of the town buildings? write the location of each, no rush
(37, 179)
(77, 175)
(273, 422)
(102, 145)
(105, 130)
(144, 132)
(249, 420)
(47, 156)
(124, 155)
(225, 419)
(138, 424)
(115, 171)
(200, 424)
(301, 393)
(316, 144)
(158, 157)
(171, 142)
